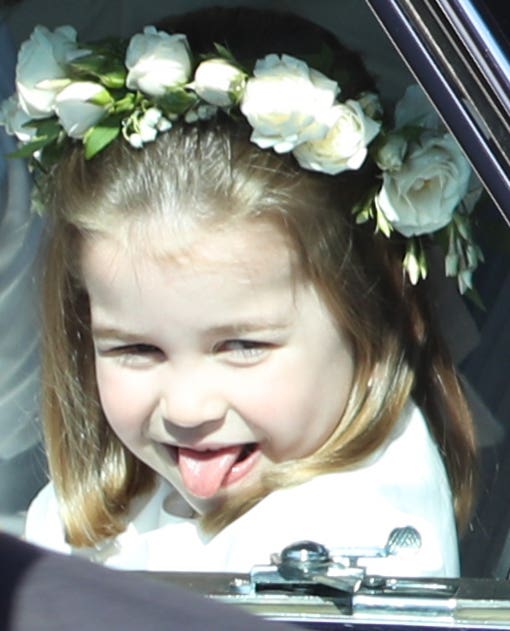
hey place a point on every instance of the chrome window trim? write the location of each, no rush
(465, 72)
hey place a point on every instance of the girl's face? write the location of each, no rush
(217, 361)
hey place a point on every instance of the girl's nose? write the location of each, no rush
(191, 398)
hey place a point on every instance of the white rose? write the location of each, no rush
(422, 196)
(287, 103)
(157, 61)
(41, 68)
(218, 82)
(80, 106)
(13, 118)
(345, 145)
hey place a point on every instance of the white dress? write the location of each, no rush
(404, 484)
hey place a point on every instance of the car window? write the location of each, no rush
(458, 53)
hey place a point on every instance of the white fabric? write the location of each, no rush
(403, 484)
(19, 241)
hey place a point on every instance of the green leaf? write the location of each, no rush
(473, 295)
(364, 210)
(464, 280)
(422, 261)
(45, 126)
(103, 99)
(113, 79)
(176, 101)
(364, 215)
(109, 71)
(411, 266)
(47, 131)
(112, 47)
(125, 103)
(382, 224)
(28, 149)
(52, 152)
(225, 53)
(100, 136)
(415, 260)
(451, 264)
(462, 225)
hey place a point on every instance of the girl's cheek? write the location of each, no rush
(267, 406)
(122, 399)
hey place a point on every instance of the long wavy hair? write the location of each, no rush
(210, 172)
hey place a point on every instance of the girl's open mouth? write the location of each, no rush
(205, 472)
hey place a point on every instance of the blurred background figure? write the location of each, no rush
(21, 456)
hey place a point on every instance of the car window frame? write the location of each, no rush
(446, 45)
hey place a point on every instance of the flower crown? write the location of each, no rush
(93, 93)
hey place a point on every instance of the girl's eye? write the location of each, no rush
(137, 349)
(132, 353)
(244, 350)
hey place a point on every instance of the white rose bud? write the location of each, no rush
(287, 103)
(345, 145)
(218, 82)
(157, 61)
(80, 106)
(41, 68)
(13, 118)
(421, 197)
(390, 155)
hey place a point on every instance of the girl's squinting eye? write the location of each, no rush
(137, 349)
(132, 353)
(242, 350)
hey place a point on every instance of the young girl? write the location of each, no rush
(234, 359)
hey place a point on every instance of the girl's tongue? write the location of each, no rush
(203, 472)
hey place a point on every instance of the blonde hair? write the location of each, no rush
(213, 170)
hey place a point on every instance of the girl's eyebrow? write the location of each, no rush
(248, 326)
(111, 332)
(222, 330)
